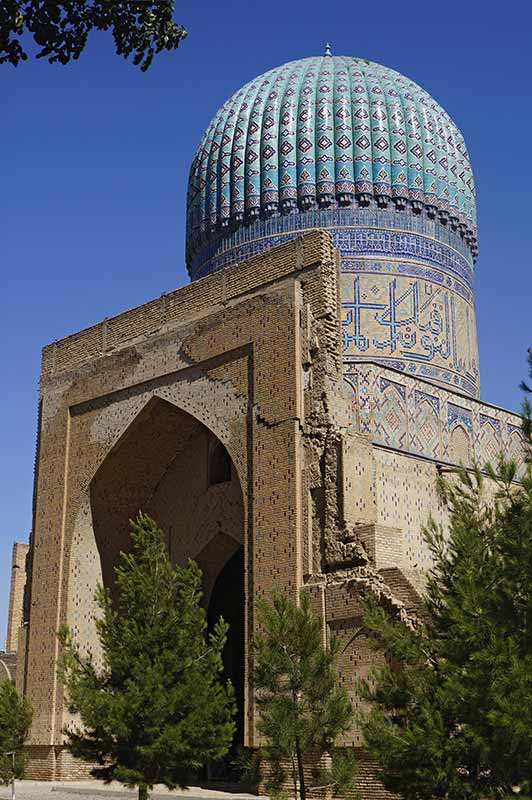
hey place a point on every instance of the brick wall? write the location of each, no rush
(16, 594)
(220, 358)
(323, 494)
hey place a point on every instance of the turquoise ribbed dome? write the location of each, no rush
(328, 132)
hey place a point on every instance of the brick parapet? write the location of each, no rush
(202, 297)
(16, 594)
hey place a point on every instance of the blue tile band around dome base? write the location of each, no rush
(355, 232)
(406, 292)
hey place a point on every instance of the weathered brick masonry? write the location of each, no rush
(284, 417)
(16, 595)
(249, 356)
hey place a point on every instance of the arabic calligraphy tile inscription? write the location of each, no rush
(412, 321)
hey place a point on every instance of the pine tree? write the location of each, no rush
(451, 713)
(15, 722)
(302, 709)
(156, 709)
(526, 413)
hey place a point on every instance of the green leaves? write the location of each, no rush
(302, 709)
(15, 722)
(61, 27)
(526, 411)
(451, 713)
(157, 709)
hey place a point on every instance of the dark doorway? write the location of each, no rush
(227, 601)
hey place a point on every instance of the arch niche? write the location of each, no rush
(172, 467)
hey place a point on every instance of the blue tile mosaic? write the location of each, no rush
(322, 132)
(346, 145)
(459, 416)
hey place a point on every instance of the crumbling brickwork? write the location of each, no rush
(249, 357)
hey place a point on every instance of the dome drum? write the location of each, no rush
(210, 234)
(355, 148)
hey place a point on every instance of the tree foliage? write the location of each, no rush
(451, 712)
(302, 709)
(15, 722)
(60, 28)
(156, 709)
(526, 413)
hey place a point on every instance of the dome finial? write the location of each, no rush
(328, 51)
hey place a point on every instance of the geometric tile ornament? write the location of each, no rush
(490, 437)
(426, 433)
(348, 145)
(323, 132)
(405, 412)
(390, 414)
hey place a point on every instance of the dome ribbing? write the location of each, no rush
(328, 132)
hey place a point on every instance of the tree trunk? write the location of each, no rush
(143, 791)
(301, 771)
(294, 775)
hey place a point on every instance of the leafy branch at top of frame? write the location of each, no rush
(60, 28)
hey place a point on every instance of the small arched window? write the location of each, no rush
(460, 446)
(219, 464)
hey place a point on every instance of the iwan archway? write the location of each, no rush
(134, 413)
(172, 467)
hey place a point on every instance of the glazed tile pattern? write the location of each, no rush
(423, 419)
(327, 132)
(407, 294)
(408, 303)
(388, 231)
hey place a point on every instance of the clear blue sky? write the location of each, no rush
(95, 156)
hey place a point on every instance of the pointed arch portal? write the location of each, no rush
(163, 465)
